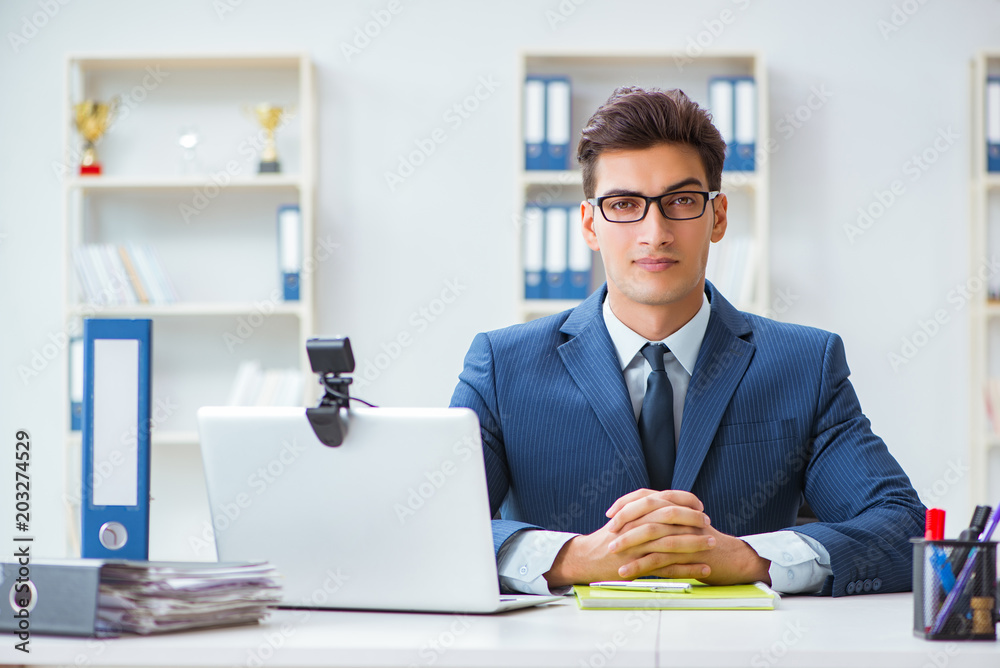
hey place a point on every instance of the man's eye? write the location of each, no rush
(623, 205)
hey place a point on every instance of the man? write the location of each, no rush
(610, 457)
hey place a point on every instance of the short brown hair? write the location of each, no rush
(638, 118)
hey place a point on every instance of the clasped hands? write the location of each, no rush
(657, 533)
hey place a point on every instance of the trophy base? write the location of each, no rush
(90, 170)
(269, 167)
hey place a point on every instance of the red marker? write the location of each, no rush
(934, 524)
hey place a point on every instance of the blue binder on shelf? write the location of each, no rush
(76, 383)
(534, 252)
(581, 260)
(993, 124)
(557, 122)
(535, 150)
(556, 254)
(733, 102)
(117, 356)
(290, 250)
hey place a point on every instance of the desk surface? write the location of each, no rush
(854, 631)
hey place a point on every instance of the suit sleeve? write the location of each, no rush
(477, 390)
(867, 508)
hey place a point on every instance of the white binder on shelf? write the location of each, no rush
(534, 252)
(534, 123)
(116, 447)
(557, 122)
(290, 250)
(721, 94)
(581, 259)
(76, 383)
(556, 254)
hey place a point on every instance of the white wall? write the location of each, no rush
(887, 98)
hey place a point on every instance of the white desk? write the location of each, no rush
(852, 631)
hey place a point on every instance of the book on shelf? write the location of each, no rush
(701, 597)
(558, 264)
(546, 122)
(993, 124)
(125, 274)
(733, 104)
(255, 386)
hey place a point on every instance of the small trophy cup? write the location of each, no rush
(269, 116)
(92, 121)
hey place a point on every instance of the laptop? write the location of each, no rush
(395, 518)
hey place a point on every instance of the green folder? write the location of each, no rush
(702, 597)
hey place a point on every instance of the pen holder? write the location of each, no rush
(954, 589)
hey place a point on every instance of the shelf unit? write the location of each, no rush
(984, 313)
(223, 257)
(593, 77)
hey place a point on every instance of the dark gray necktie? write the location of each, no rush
(656, 420)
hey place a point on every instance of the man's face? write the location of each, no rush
(655, 261)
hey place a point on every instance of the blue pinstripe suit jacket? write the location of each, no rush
(770, 418)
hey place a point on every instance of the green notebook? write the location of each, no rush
(702, 597)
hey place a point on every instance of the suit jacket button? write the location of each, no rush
(850, 587)
(867, 586)
(876, 584)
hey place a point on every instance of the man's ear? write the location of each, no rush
(587, 218)
(721, 206)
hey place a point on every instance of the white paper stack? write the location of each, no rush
(157, 597)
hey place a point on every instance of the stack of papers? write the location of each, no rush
(701, 597)
(158, 597)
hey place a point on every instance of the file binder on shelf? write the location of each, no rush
(76, 383)
(117, 359)
(556, 255)
(581, 260)
(993, 124)
(557, 123)
(534, 123)
(732, 101)
(290, 250)
(534, 252)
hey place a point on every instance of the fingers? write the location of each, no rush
(657, 507)
(673, 496)
(664, 566)
(662, 538)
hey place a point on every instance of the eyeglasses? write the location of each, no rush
(682, 205)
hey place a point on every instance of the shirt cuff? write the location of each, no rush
(799, 563)
(526, 557)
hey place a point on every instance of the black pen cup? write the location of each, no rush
(955, 589)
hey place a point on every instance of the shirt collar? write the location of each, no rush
(685, 343)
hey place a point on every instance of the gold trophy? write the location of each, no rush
(270, 117)
(92, 121)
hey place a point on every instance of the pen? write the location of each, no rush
(976, 526)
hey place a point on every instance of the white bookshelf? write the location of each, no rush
(223, 259)
(984, 243)
(593, 77)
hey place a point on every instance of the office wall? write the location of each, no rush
(856, 90)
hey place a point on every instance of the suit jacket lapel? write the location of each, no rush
(723, 359)
(591, 360)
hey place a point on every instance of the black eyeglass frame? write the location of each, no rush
(709, 195)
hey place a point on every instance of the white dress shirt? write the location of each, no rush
(799, 563)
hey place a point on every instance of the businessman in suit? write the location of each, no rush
(654, 430)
